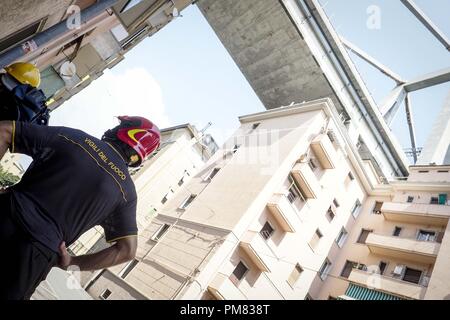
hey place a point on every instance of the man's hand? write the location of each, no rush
(122, 251)
(65, 259)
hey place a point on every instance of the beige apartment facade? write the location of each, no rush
(288, 210)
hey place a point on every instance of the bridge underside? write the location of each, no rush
(269, 50)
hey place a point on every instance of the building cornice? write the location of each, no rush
(420, 186)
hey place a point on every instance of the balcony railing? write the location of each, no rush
(307, 180)
(389, 285)
(283, 212)
(222, 288)
(428, 214)
(256, 248)
(411, 249)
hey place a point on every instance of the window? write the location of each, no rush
(167, 196)
(331, 136)
(361, 266)
(348, 267)
(363, 236)
(188, 201)
(340, 240)
(128, 268)
(397, 231)
(254, 127)
(356, 208)
(442, 171)
(351, 177)
(181, 182)
(425, 235)
(336, 203)
(330, 214)
(240, 271)
(267, 231)
(434, 200)
(21, 35)
(377, 207)
(424, 171)
(295, 275)
(412, 275)
(105, 294)
(312, 164)
(161, 231)
(410, 199)
(382, 266)
(324, 269)
(443, 199)
(316, 238)
(294, 192)
(212, 174)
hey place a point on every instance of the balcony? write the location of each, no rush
(324, 151)
(257, 250)
(388, 285)
(417, 213)
(222, 288)
(306, 179)
(410, 249)
(283, 212)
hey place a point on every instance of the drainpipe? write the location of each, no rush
(44, 37)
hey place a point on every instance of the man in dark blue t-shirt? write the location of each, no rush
(74, 183)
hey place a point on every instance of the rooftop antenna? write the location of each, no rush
(206, 128)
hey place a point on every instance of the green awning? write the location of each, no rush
(443, 198)
(361, 293)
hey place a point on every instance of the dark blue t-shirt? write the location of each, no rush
(74, 183)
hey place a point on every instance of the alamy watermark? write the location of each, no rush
(374, 19)
(73, 21)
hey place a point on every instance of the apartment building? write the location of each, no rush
(183, 152)
(397, 245)
(69, 61)
(288, 210)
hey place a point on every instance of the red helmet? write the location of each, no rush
(140, 134)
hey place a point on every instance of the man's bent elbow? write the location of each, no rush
(127, 248)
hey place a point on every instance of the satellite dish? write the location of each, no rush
(68, 70)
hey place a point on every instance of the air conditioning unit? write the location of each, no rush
(332, 136)
(398, 271)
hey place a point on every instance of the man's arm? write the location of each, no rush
(6, 131)
(122, 251)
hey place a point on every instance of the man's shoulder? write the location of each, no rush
(73, 132)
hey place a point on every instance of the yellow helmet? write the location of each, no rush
(25, 73)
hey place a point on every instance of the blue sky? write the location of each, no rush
(404, 45)
(191, 78)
